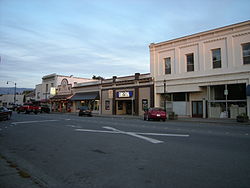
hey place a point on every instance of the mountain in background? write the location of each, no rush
(11, 90)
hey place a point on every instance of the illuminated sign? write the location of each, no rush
(125, 94)
(52, 91)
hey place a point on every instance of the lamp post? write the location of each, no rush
(14, 91)
(164, 87)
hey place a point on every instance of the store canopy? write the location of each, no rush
(85, 96)
(248, 90)
(60, 97)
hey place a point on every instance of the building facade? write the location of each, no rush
(129, 95)
(7, 100)
(205, 74)
(87, 94)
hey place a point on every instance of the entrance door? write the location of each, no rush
(129, 107)
(197, 109)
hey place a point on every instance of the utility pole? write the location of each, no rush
(14, 91)
(165, 95)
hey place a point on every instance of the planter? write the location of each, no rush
(242, 118)
(172, 116)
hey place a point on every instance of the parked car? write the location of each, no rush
(155, 113)
(29, 107)
(84, 110)
(45, 108)
(5, 114)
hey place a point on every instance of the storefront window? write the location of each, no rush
(107, 105)
(144, 104)
(120, 105)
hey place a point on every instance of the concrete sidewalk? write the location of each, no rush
(180, 119)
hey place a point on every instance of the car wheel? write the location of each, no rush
(18, 112)
(35, 112)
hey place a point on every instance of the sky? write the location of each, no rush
(98, 37)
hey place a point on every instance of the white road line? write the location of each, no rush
(97, 131)
(23, 122)
(154, 141)
(161, 134)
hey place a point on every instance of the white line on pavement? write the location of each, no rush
(23, 122)
(154, 141)
(135, 134)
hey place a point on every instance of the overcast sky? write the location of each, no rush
(98, 37)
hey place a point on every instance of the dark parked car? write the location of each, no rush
(5, 114)
(45, 108)
(84, 110)
(155, 113)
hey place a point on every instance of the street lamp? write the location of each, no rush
(14, 91)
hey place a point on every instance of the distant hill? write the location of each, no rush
(11, 90)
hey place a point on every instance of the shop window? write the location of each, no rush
(179, 96)
(219, 92)
(167, 65)
(216, 55)
(120, 105)
(190, 62)
(107, 105)
(236, 92)
(144, 104)
(246, 53)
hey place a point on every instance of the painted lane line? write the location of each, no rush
(23, 122)
(134, 134)
(97, 131)
(154, 141)
(162, 134)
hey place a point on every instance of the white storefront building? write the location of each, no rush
(205, 74)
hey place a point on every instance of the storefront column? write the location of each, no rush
(204, 108)
(248, 106)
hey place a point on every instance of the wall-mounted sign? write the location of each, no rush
(125, 94)
(52, 91)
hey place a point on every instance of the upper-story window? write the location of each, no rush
(167, 65)
(246, 53)
(47, 88)
(216, 55)
(190, 62)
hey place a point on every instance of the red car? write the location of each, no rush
(155, 113)
(29, 107)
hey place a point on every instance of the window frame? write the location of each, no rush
(189, 64)
(248, 56)
(167, 70)
(215, 62)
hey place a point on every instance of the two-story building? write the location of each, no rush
(205, 74)
(59, 89)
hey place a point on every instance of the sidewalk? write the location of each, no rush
(180, 119)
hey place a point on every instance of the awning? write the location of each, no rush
(60, 97)
(86, 96)
(248, 90)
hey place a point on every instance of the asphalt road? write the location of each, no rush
(55, 150)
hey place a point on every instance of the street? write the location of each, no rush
(62, 150)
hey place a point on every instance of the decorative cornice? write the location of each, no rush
(189, 45)
(241, 34)
(213, 40)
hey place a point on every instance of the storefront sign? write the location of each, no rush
(52, 91)
(125, 94)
